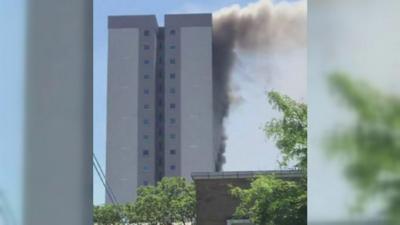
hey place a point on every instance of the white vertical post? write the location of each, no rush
(58, 142)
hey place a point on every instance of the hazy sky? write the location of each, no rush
(11, 103)
(360, 37)
(254, 74)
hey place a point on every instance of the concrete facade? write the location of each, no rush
(215, 204)
(160, 106)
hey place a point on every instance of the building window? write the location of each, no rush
(172, 152)
(146, 61)
(172, 61)
(172, 136)
(172, 90)
(146, 47)
(146, 33)
(172, 167)
(146, 121)
(146, 168)
(146, 106)
(146, 91)
(172, 32)
(145, 152)
(172, 106)
(146, 76)
(145, 136)
(172, 75)
(160, 60)
(160, 119)
(145, 182)
(172, 47)
(172, 120)
(160, 46)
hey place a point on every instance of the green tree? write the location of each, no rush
(370, 146)
(290, 131)
(171, 200)
(179, 198)
(270, 200)
(149, 206)
(106, 215)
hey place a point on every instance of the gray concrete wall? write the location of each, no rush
(188, 41)
(147, 105)
(196, 98)
(131, 105)
(172, 134)
(122, 113)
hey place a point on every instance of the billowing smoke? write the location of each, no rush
(261, 26)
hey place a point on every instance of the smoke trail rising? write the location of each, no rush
(261, 26)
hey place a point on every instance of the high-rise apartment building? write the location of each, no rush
(160, 100)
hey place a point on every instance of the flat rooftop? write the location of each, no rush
(245, 174)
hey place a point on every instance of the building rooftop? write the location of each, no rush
(245, 174)
(132, 21)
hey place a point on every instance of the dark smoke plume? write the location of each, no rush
(261, 26)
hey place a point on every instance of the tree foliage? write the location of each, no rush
(106, 214)
(171, 200)
(290, 131)
(270, 200)
(370, 146)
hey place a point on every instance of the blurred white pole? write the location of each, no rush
(58, 142)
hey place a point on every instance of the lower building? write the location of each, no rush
(215, 204)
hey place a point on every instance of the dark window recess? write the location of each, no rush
(172, 121)
(172, 32)
(172, 106)
(146, 76)
(146, 47)
(172, 136)
(172, 167)
(172, 61)
(172, 47)
(160, 60)
(146, 136)
(146, 168)
(145, 182)
(172, 152)
(172, 90)
(146, 121)
(146, 91)
(146, 33)
(145, 152)
(172, 75)
(146, 61)
(160, 46)
(146, 106)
